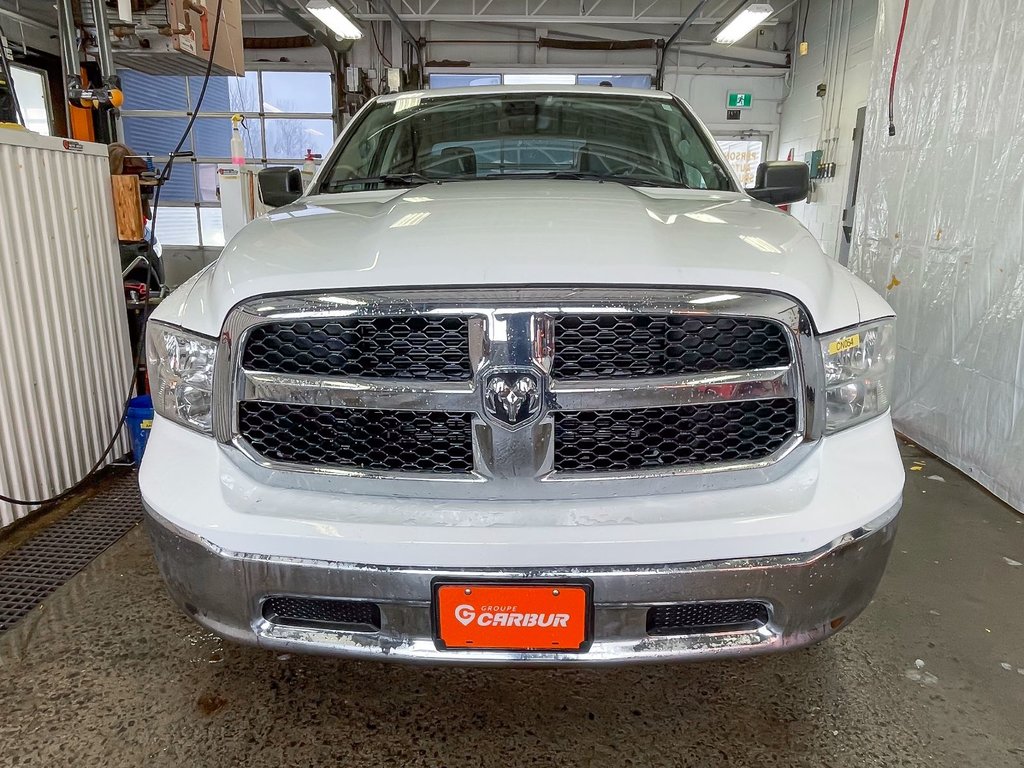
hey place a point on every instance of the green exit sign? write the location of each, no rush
(740, 100)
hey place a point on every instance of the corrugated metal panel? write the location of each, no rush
(64, 350)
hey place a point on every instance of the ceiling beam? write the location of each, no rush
(514, 19)
(735, 53)
(28, 21)
(593, 32)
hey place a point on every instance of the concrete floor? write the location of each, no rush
(107, 672)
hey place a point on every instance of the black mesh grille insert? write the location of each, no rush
(693, 618)
(355, 615)
(622, 346)
(401, 441)
(649, 438)
(428, 348)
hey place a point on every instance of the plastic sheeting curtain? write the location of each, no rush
(940, 229)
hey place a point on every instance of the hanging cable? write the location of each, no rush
(141, 343)
(376, 42)
(895, 67)
(837, 83)
(826, 71)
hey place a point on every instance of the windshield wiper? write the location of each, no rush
(387, 180)
(630, 181)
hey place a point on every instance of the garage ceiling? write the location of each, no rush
(535, 12)
(636, 16)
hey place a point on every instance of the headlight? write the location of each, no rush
(181, 374)
(858, 373)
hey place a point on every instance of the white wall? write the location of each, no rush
(706, 90)
(802, 127)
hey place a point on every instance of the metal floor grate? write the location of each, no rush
(30, 573)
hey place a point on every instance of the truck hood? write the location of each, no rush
(515, 232)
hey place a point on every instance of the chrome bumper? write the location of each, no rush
(810, 595)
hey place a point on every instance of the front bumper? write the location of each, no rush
(810, 596)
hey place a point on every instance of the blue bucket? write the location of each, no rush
(139, 421)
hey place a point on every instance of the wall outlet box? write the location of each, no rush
(353, 80)
(813, 160)
(395, 79)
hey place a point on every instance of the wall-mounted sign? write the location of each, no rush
(740, 100)
(732, 114)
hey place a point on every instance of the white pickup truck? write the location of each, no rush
(524, 376)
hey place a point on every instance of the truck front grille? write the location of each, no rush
(393, 441)
(426, 348)
(514, 386)
(629, 346)
(620, 441)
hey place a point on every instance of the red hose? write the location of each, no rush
(896, 66)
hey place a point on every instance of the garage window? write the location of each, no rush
(463, 80)
(539, 78)
(33, 98)
(285, 113)
(617, 81)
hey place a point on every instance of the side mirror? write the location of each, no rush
(782, 181)
(279, 186)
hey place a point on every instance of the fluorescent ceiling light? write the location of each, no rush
(332, 17)
(743, 23)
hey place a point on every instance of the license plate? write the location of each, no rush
(513, 617)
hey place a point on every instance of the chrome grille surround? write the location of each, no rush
(513, 329)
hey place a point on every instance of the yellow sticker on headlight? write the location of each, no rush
(843, 344)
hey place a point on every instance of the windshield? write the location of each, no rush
(635, 140)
